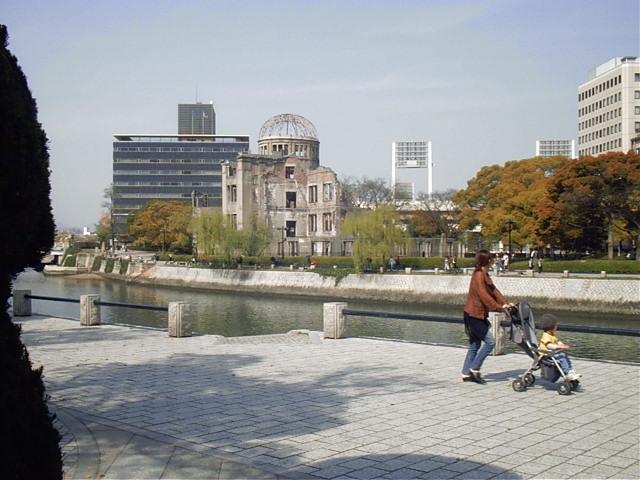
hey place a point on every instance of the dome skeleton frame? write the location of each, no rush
(288, 125)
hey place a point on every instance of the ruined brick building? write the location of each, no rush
(285, 187)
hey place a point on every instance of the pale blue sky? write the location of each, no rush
(482, 80)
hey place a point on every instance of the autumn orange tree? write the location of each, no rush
(593, 201)
(510, 192)
(163, 225)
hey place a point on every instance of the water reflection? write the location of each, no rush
(237, 314)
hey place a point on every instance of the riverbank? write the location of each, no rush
(571, 294)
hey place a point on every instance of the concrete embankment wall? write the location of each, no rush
(576, 294)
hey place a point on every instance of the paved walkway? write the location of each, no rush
(134, 403)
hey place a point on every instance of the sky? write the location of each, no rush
(482, 80)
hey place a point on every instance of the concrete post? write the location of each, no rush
(21, 304)
(407, 270)
(89, 311)
(436, 271)
(179, 319)
(565, 273)
(529, 273)
(603, 273)
(335, 325)
(498, 332)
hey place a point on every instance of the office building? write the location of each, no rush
(185, 168)
(411, 155)
(196, 119)
(551, 148)
(609, 107)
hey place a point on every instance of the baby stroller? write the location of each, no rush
(523, 332)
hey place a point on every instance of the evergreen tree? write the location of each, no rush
(28, 440)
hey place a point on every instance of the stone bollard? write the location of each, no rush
(381, 269)
(179, 319)
(291, 267)
(603, 274)
(436, 271)
(21, 304)
(335, 325)
(529, 273)
(565, 274)
(89, 311)
(497, 331)
(407, 270)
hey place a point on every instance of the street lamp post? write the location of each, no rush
(509, 224)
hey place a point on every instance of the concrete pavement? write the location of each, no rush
(134, 403)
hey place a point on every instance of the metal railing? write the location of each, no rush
(100, 303)
(431, 318)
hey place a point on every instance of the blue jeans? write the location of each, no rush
(564, 362)
(476, 355)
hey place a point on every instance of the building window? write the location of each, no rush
(234, 220)
(232, 193)
(288, 172)
(313, 223)
(313, 194)
(293, 249)
(327, 190)
(327, 222)
(291, 228)
(637, 110)
(291, 200)
(637, 127)
(637, 94)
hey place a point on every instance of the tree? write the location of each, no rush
(28, 439)
(216, 234)
(590, 200)
(105, 229)
(511, 192)
(365, 193)
(163, 225)
(256, 238)
(436, 215)
(376, 233)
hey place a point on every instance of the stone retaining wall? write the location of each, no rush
(576, 294)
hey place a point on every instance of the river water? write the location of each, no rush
(239, 314)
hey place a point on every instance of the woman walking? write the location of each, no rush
(483, 297)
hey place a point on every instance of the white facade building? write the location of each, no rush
(609, 107)
(551, 148)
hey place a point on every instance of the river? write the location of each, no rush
(239, 314)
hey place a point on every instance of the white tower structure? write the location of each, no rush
(411, 155)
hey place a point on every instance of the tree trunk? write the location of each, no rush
(638, 247)
(610, 240)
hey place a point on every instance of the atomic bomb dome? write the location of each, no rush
(289, 135)
(288, 125)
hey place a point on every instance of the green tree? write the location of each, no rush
(591, 200)
(376, 234)
(216, 234)
(509, 192)
(256, 238)
(163, 225)
(28, 439)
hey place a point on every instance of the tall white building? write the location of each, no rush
(411, 155)
(551, 148)
(609, 107)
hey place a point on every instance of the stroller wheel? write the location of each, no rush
(519, 385)
(574, 384)
(564, 388)
(529, 379)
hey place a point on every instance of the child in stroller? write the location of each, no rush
(549, 362)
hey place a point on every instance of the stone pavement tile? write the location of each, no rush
(186, 464)
(139, 466)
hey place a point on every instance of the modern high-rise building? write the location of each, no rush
(196, 119)
(609, 107)
(185, 168)
(551, 148)
(411, 155)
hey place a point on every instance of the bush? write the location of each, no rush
(70, 261)
(583, 266)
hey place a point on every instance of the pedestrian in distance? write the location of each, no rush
(482, 298)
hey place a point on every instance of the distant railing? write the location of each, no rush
(431, 318)
(179, 313)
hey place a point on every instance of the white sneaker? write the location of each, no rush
(573, 375)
